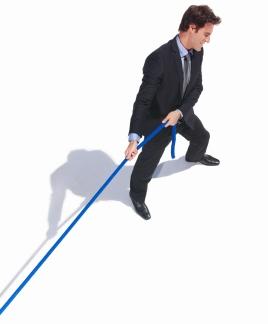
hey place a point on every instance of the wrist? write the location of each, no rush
(180, 113)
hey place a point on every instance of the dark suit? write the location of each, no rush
(159, 94)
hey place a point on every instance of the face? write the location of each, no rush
(200, 37)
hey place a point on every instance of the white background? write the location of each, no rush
(69, 74)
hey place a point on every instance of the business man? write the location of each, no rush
(171, 86)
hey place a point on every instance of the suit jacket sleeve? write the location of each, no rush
(152, 77)
(192, 97)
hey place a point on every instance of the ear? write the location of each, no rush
(192, 28)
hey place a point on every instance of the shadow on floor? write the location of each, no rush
(83, 174)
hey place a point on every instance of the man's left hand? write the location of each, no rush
(172, 118)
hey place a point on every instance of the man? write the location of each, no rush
(171, 85)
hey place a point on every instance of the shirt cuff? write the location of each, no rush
(180, 112)
(133, 137)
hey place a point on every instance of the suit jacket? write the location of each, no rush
(161, 88)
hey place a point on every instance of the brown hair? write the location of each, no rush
(199, 16)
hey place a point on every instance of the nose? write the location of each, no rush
(208, 39)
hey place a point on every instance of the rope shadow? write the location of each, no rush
(37, 251)
(83, 173)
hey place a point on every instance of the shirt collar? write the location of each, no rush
(182, 50)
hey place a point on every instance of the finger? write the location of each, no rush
(131, 154)
(127, 155)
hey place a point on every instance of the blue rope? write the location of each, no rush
(173, 132)
(55, 245)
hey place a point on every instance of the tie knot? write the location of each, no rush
(187, 57)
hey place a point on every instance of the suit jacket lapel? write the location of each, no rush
(178, 63)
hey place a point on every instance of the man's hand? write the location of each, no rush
(172, 118)
(131, 150)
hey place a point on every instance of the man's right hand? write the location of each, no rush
(131, 150)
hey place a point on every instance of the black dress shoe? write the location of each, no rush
(141, 208)
(209, 160)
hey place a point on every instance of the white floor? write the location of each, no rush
(69, 76)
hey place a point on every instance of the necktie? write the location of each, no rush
(186, 72)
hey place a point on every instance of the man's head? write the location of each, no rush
(197, 25)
